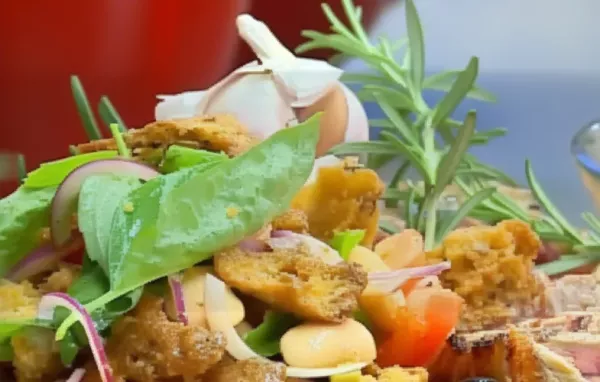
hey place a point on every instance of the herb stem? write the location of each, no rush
(430, 222)
(121, 146)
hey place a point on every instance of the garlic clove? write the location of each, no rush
(262, 41)
(357, 129)
(181, 105)
(307, 80)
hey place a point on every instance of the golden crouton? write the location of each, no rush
(294, 281)
(292, 220)
(213, 133)
(250, 370)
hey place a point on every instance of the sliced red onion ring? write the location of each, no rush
(76, 376)
(41, 260)
(65, 200)
(253, 245)
(281, 233)
(316, 248)
(392, 280)
(178, 298)
(50, 301)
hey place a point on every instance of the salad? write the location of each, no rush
(202, 248)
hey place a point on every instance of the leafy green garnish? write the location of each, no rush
(179, 157)
(51, 174)
(344, 242)
(99, 199)
(266, 337)
(9, 328)
(85, 112)
(180, 219)
(121, 146)
(22, 215)
(109, 114)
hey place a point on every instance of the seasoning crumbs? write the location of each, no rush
(232, 212)
(128, 207)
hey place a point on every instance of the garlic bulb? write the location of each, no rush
(275, 92)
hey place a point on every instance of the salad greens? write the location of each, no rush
(179, 157)
(51, 174)
(177, 220)
(24, 213)
(266, 337)
(344, 242)
(99, 199)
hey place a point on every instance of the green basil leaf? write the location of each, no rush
(183, 218)
(109, 114)
(464, 82)
(443, 81)
(22, 215)
(545, 202)
(85, 112)
(52, 174)
(450, 162)
(265, 338)
(179, 157)
(416, 46)
(344, 242)
(371, 147)
(99, 198)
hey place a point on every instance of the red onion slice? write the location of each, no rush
(76, 376)
(41, 260)
(253, 245)
(50, 301)
(65, 200)
(392, 280)
(178, 298)
(291, 240)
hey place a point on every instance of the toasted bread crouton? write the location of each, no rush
(294, 281)
(249, 370)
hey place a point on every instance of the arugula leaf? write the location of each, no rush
(52, 174)
(100, 197)
(265, 338)
(344, 242)
(22, 215)
(168, 231)
(178, 157)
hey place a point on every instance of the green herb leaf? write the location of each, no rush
(388, 227)
(51, 174)
(409, 218)
(412, 153)
(99, 199)
(118, 137)
(179, 157)
(416, 46)
(109, 114)
(266, 337)
(541, 197)
(168, 231)
(22, 215)
(447, 225)
(398, 122)
(443, 81)
(344, 242)
(593, 221)
(568, 262)
(85, 112)
(373, 79)
(68, 348)
(463, 84)
(451, 161)
(397, 98)
(6, 351)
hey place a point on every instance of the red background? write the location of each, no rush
(129, 50)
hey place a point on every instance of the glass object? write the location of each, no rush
(585, 148)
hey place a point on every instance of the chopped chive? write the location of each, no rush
(73, 150)
(21, 167)
(121, 146)
(109, 114)
(85, 112)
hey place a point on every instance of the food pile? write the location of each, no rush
(200, 248)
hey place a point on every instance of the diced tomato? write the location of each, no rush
(422, 327)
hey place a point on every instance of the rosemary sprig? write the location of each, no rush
(412, 128)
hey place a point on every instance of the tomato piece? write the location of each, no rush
(422, 328)
(73, 253)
